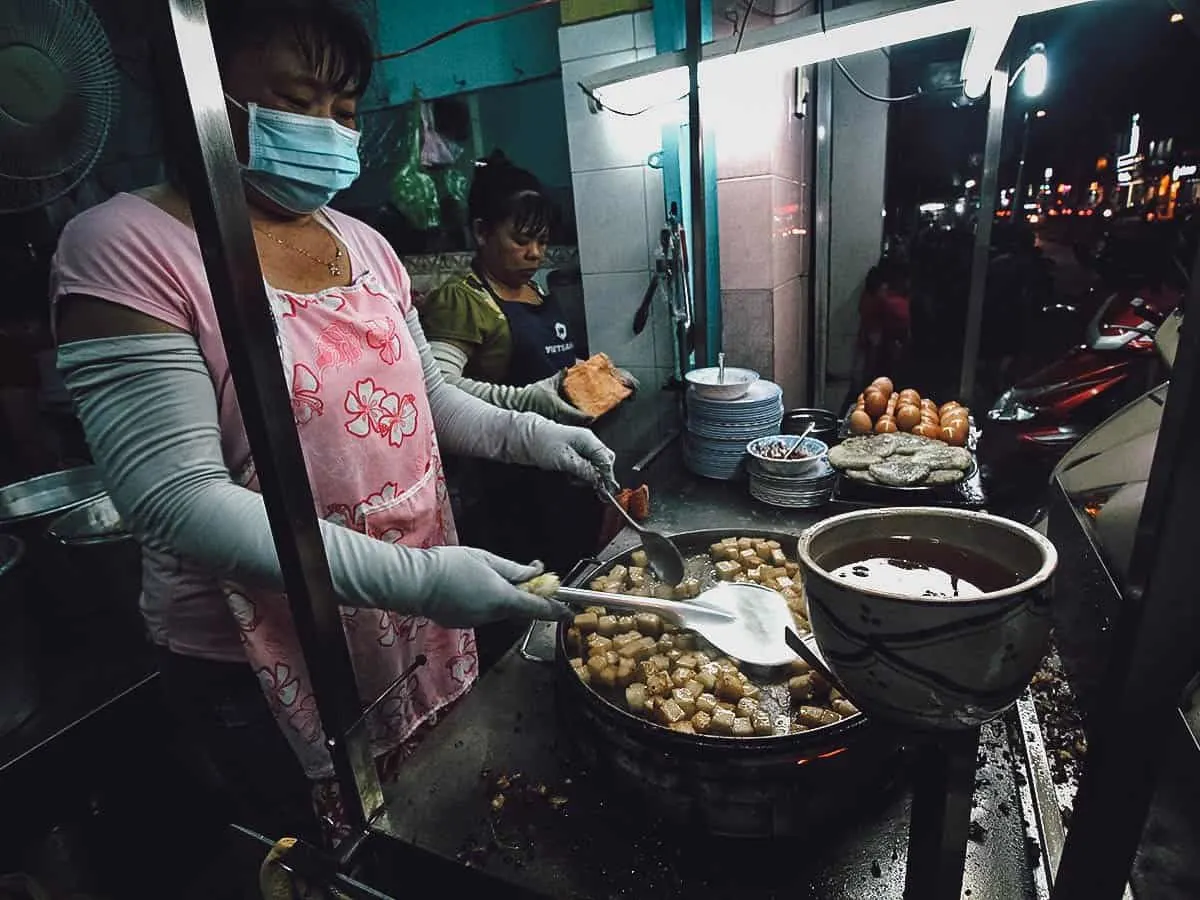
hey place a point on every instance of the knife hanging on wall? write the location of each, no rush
(642, 316)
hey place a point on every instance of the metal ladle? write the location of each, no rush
(665, 558)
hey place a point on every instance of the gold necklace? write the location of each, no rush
(333, 265)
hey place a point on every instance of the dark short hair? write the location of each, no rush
(330, 34)
(501, 191)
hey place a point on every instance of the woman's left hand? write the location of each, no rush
(574, 451)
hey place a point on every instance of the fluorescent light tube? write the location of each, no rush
(989, 36)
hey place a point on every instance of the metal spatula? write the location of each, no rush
(745, 621)
(665, 558)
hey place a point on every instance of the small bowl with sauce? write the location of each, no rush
(930, 617)
(786, 454)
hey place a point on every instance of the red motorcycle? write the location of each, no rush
(1041, 417)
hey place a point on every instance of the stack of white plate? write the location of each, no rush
(792, 491)
(714, 445)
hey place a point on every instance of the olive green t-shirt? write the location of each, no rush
(464, 311)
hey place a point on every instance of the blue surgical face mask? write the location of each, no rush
(298, 162)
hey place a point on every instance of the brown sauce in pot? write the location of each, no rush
(918, 567)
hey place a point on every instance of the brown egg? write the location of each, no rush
(874, 403)
(946, 407)
(885, 425)
(928, 429)
(860, 403)
(908, 416)
(928, 404)
(908, 395)
(891, 404)
(860, 422)
(955, 434)
(884, 384)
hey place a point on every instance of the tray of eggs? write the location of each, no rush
(880, 409)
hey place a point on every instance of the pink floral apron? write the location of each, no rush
(359, 401)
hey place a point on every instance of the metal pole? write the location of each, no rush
(988, 193)
(699, 238)
(1159, 623)
(822, 238)
(1018, 204)
(218, 205)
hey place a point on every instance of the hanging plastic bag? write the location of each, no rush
(413, 192)
(435, 149)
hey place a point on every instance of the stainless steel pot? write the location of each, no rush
(18, 681)
(27, 506)
(100, 571)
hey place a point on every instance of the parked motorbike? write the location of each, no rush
(1037, 420)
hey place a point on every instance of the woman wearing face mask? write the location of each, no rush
(140, 349)
(498, 336)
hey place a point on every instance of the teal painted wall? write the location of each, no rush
(517, 49)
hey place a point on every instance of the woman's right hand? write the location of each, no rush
(466, 586)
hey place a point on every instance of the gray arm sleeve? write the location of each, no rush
(451, 361)
(149, 411)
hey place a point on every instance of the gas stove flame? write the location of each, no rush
(829, 755)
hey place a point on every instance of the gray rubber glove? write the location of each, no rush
(545, 398)
(628, 380)
(467, 586)
(562, 448)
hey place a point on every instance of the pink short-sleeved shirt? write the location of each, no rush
(130, 252)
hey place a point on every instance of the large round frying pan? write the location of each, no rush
(598, 706)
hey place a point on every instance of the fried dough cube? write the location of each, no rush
(661, 660)
(635, 698)
(793, 568)
(625, 623)
(843, 707)
(599, 584)
(617, 573)
(624, 640)
(744, 543)
(586, 622)
(800, 687)
(706, 703)
(648, 624)
(722, 551)
(684, 727)
(585, 674)
(688, 661)
(577, 662)
(659, 684)
(598, 643)
(668, 712)
(769, 582)
(821, 687)
(664, 592)
(635, 572)
(696, 687)
(702, 658)
(638, 592)
(607, 625)
(701, 722)
(816, 716)
(673, 655)
(742, 727)
(729, 688)
(783, 583)
(746, 707)
(760, 721)
(681, 676)
(646, 668)
(799, 667)
(774, 544)
(800, 622)
(722, 721)
(688, 588)
(707, 676)
(665, 643)
(597, 663)
(755, 574)
(778, 557)
(607, 677)
(751, 690)
(640, 559)
(626, 672)
(730, 541)
(686, 700)
(728, 569)
(763, 549)
(651, 705)
(640, 649)
(574, 640)
(744, 557)
(686, 641)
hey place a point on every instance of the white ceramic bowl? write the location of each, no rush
(813, 451)
(931, 663)
(737, 382)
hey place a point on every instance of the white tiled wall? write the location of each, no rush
(619, 210)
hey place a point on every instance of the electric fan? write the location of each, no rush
(58, 98)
